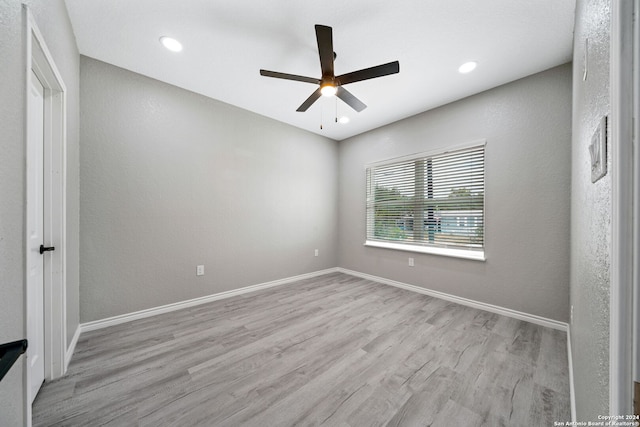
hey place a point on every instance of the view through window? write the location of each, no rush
(435, 200)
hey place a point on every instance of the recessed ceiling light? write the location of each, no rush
(467, 67)
(170, 43)
(343, 120)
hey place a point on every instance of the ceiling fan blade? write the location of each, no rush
(310, 100)
(351, 100)
(369, 73)
(324, 35)
(286, 76)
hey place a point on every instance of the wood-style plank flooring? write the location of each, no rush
(334, 350)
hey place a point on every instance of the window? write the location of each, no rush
(430, 203)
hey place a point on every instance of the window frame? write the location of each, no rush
(456, 252)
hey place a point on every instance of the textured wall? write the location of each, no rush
(590, 215)
(51, 17)
(527, 125)
(171, 179)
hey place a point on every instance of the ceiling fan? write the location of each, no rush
(330, 84)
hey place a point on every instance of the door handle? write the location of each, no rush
(44, 249)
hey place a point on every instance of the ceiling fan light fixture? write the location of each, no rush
(328, 89)
(467, 67)
(170, 43)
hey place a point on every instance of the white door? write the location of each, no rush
(35, 235)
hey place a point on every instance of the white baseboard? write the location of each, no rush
(116, 320)
(123, 318)
(572, 390)
(71, 348)
(532, 318)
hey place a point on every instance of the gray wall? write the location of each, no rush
(171, 179)
(51, 17)
(590, 216)
(527, 125)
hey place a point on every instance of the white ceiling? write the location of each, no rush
(226, 43)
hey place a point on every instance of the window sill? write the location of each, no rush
(455, 253)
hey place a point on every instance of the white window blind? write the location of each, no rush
(428, 200)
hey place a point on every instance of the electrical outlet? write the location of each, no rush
(411, 263)
(200, 270)
(316, 253)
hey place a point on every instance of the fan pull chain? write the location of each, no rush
(336, 98)
(321, 111)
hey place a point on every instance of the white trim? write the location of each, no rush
(531, 318)
(116, 320)
(572, 390)
(124, 318)
(39, 59)
(431, 250)
(437, 151)
(621, 299)
(72, 347)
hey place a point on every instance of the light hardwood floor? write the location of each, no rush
(334, 350)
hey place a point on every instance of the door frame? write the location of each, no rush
(39, 59)
(624, 207)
